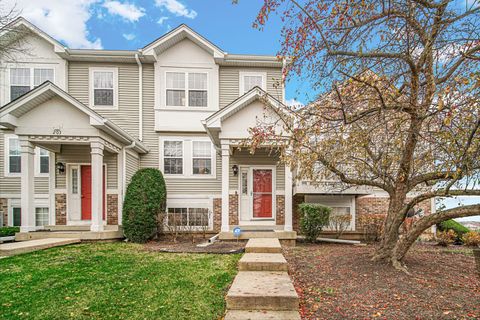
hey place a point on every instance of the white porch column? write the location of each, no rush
(225, 147)
(27, 185)
(288, 199)
(96, 152)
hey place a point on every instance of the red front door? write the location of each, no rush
(262, 193)
(86, 188)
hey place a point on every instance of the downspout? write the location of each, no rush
(140, 97)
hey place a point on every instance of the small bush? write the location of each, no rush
(144, 202)
(339, 223)
(445, 238)
(372, 225)
(471, 239)
(314, 218)
(458, 228)
(8, 231)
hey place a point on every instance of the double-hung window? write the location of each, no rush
(103, 87)
(43, 161)
(186, 89)
(173, 157)
(202, 157)
(14, 156)
(41, 217)
(23, 80)
(249, 80)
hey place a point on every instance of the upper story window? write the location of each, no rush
(23, 80)
(249, 80)
(103, 87)
(186, 89)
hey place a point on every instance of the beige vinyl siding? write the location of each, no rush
(127, 114)
(72, 154)
(230, 82)
(132, 165)
(261, 157)
(12, 185)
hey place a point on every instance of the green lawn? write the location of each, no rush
(114, 281)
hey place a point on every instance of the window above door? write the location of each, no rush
(249, 80)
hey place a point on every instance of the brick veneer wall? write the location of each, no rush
(233, 209)
(280, 212)
(297, 199)
(217, 214)
(4, 211)
(379, 205)
(61, 209)
(112, 209)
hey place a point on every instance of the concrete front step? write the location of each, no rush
(261, 315)
(263, 245)
(82, 235)
(14, 248)
(252, 234)
(262, 262)
(262, 290)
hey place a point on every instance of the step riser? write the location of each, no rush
(262, 315)
(262, 303)
(263, 250)
(262, 266)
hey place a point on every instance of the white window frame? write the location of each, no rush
(212, 156)
(48, 215)
(189, 201)
(32, 75)
(6, 161)
(91, 96)
(162, 147)
(186, 89)
(187, 144)
(38, 163)
(242, 75)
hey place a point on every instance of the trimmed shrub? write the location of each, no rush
(314, 218)
(145, 200)
(471, 239)
(445, 238)
(458, 228)
(8, 231)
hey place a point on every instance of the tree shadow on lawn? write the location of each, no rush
(341, 282)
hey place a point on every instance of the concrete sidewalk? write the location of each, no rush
(14, 248)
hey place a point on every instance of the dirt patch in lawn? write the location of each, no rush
(185, 245)
(340, 282)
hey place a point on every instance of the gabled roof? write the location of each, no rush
(256, 93)
(22, 22)
(178, 34)
(23, 104)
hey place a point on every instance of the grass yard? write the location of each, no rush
(340, 282)
(114, 281)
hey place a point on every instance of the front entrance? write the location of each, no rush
(86, 191)
(256, 193)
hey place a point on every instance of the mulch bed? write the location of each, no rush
(185, 245)
(340, 282)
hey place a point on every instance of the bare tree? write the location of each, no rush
(12, 37)
(398, 105)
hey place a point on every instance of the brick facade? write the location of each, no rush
(112, 209)
(4, 211)
(379, 205)
(217, 214)
(60, 209)
(233, 209)
(297, 199)
(280, 210)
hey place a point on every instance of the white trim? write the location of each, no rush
(91, 71)
(186, 72)
(16, 203)
(32, 68)
(187, 156)
(37, 163)
(193, 201)
(241, 82)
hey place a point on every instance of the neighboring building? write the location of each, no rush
(77, 124)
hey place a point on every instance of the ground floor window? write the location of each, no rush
(41, 217)
(188, 217)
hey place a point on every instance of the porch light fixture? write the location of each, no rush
(60, 167)
(235, 169)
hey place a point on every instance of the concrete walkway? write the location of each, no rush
(262, 289)
(14, 248)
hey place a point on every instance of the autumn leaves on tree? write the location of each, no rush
(398, 105)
